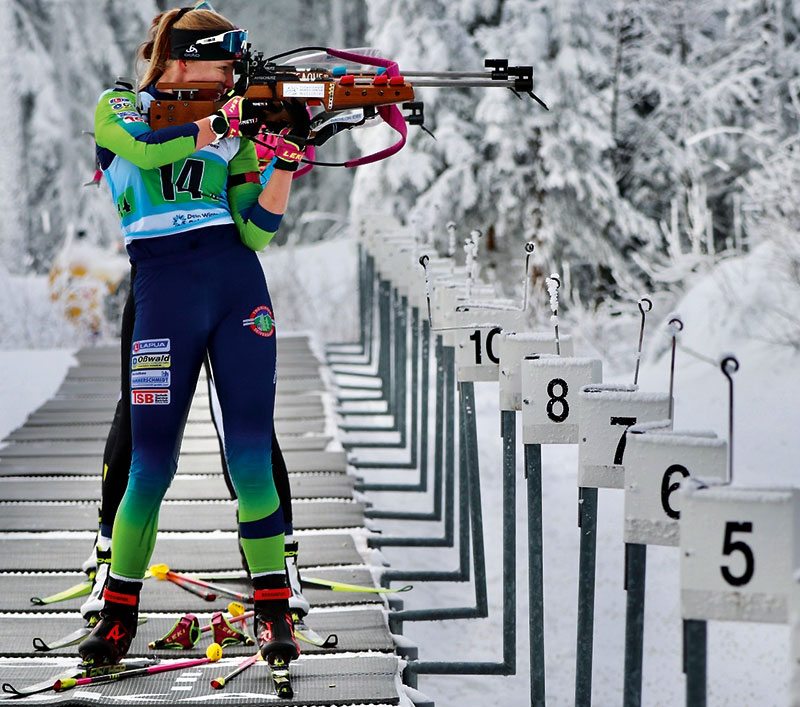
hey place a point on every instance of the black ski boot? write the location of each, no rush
(273, 624)
(110, 640)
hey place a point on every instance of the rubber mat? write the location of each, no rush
(203, 445)
(187, 464)
(205, 487)
(174, 516)
(357, 630)
(69, 429)
(104, 403)
(166, 596)
(84, 389)
(360, 680)
(193, 553)
(78, 414)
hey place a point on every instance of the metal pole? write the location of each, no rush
(635, 571)
(587, 515)
(695, 661)
(508, 666)
(533, 474)
(448, 444)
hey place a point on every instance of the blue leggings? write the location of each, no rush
(201, 290)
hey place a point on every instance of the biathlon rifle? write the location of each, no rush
(346, 96)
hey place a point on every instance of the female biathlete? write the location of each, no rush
(193, 211)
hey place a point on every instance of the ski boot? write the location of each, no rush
(90, 609)
(111, 638)
(298, 604)
(273, 625)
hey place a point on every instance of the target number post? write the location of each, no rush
(657, 462)
(550, 396)
(739, 551)
(605, 414)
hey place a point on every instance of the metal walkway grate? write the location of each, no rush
(49, 490)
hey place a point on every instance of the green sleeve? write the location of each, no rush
(256, 225)
(119, 128)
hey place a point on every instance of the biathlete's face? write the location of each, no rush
(219, 71)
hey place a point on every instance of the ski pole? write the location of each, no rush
(159, 570)
(219, 683)
(164, 572)
(237, 612)
(213, 654)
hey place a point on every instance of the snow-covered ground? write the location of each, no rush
(314, 289)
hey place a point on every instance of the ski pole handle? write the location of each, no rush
(219, 683)
(241, 617)
(213, 654)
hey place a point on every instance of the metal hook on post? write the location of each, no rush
(553, 285)
(529, 247)
(675, 326)
(423, 261)
(451, 238)
(729, 365)
(643, 311)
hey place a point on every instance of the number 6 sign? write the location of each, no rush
(739, 550)
(656, 464)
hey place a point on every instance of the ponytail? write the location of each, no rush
(154, 51)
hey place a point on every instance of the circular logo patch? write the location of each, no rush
(261, 321)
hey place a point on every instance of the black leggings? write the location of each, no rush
(117, 452)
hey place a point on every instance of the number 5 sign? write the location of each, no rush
(739, 550)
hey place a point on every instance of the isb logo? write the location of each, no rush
(150, 397)
(150, 345)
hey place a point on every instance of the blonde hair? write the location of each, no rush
(155, 50)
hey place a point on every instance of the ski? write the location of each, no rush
(75, 673)
(305, 633)
(81, 589)
(281, 678)
(319, 583)
(70, 639)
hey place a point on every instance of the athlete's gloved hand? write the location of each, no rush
(289, 150)
(241, 118)
(300, 119)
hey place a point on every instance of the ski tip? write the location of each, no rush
(406, 588)
(331, 641)
(39, 644)
(38, 601)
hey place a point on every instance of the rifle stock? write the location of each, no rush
(332, 95)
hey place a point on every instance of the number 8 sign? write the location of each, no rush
(738, 552)
(550, 400)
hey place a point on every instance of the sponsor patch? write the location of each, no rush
(150, 379)
(163, 360)
(137, 119)
(261, 321)
(118, 99)
(150, 397)
(151, 346)
(303, 90)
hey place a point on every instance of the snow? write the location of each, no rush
(314, 289)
